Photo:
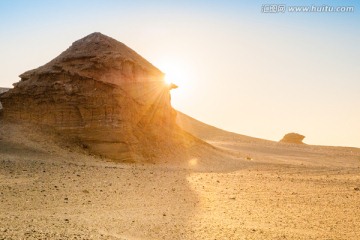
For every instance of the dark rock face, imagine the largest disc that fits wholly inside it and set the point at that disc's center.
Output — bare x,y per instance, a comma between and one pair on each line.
101,92
293,138
3,90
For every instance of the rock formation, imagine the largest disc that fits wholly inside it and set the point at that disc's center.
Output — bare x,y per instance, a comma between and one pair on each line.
293,138
3,90
104,94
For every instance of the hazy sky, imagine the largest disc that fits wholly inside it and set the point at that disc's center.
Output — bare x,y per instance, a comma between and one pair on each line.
254,73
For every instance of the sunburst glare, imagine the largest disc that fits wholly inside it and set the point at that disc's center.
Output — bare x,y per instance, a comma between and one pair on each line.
175,72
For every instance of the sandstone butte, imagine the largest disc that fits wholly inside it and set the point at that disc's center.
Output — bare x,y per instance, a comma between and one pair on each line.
105,95
293,138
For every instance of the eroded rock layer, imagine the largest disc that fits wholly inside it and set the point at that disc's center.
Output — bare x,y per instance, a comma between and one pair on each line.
103,93
2,90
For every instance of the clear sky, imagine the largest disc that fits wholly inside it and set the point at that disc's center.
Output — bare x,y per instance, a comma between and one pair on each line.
254,73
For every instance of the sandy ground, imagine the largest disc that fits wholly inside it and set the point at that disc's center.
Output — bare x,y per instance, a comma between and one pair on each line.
271,191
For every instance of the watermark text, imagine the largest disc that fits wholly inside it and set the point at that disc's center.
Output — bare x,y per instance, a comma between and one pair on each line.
282,8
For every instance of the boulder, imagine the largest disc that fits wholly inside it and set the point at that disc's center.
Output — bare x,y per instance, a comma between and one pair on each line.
104,94
293,138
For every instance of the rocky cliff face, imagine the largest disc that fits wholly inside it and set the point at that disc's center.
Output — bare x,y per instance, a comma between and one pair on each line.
3,90
103,93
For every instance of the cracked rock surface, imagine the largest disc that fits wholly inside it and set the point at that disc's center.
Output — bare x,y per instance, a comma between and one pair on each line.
104,94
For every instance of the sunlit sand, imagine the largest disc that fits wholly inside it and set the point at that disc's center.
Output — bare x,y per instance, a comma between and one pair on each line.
91,148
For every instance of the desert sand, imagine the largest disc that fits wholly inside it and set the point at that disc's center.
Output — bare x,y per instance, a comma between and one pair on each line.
258,189
91,148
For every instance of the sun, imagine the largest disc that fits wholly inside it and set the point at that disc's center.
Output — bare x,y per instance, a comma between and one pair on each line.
167,79
175,73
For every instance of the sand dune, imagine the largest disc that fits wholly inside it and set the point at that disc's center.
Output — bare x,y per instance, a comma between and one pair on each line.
265,151
50,190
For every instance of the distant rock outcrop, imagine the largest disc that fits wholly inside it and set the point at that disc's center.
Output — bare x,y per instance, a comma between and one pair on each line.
103,93
293,138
